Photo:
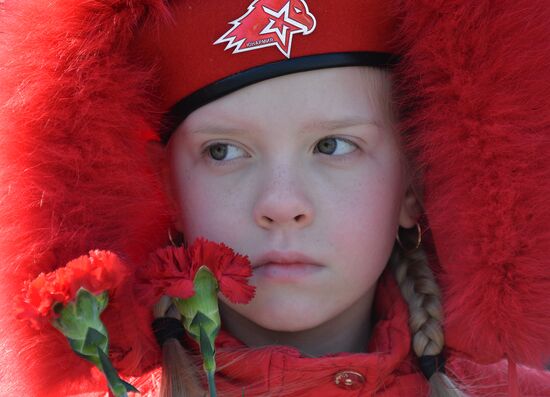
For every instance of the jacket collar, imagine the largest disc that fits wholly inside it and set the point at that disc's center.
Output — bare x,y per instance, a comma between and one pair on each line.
273,368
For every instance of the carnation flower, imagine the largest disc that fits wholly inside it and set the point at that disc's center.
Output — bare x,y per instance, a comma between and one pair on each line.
167,273
231,270
72,299
171,271
97,272
193,277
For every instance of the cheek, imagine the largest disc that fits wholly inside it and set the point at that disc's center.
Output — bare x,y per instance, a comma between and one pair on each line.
209,206
364,215
368,231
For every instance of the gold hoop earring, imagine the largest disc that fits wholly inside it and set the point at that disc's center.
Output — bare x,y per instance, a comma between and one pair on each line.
418,239
178,240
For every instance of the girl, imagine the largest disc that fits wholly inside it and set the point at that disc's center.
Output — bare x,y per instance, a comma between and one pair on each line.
356,183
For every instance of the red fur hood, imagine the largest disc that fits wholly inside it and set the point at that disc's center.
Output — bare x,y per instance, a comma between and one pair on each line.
77,106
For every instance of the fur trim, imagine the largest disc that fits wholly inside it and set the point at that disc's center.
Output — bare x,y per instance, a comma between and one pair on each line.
76,107
74,172
479,76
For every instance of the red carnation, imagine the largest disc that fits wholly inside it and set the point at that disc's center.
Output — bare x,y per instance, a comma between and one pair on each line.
230,269
193,277
97,272
167,273
171,271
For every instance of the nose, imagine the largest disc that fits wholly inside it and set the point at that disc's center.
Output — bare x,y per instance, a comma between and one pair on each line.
282,201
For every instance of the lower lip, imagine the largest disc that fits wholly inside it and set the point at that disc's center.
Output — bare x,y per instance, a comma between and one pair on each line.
286,271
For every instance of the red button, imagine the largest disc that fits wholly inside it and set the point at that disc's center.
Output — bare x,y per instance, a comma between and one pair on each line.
349,380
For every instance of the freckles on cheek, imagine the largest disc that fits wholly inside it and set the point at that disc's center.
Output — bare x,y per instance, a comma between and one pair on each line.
361,216
209,210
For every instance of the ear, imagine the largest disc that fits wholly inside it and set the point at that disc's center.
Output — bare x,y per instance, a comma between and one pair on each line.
410,209
159,155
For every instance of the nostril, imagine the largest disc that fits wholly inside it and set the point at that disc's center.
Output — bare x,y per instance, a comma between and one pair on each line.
299,218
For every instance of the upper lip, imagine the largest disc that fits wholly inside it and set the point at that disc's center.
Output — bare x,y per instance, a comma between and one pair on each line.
284,257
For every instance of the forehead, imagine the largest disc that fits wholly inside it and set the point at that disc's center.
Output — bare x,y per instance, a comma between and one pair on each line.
302,98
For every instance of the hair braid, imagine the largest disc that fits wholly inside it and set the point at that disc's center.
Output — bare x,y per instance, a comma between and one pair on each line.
421,292
179,375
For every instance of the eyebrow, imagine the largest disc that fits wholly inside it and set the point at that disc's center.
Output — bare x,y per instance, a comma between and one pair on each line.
215,130
323,125
338,124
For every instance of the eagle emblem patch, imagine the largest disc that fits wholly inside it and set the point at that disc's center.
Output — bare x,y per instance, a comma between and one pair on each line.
269,23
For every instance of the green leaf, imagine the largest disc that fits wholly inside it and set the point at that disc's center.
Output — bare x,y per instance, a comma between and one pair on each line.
95,339
77,345
201,320
102,301
205,301
80,322
117,385
70,324
129,387
207,348
77,317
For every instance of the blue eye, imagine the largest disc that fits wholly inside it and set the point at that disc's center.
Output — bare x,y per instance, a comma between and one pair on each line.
335,146
223,151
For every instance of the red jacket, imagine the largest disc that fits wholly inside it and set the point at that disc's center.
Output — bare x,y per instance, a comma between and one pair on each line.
388,369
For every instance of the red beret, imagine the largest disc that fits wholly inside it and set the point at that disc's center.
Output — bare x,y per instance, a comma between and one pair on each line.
212,48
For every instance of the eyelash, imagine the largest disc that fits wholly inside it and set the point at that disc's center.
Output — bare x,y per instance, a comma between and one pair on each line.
220,163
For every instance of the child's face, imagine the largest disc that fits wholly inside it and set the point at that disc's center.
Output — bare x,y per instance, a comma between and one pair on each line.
305,163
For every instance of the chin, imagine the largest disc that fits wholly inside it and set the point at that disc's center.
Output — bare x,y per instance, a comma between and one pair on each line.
283,318
282,315
286,325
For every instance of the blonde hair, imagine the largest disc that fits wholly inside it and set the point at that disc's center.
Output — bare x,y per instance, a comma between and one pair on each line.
179,374
411,267
419,289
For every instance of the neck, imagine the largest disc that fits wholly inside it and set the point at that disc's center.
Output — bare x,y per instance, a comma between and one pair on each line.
347,332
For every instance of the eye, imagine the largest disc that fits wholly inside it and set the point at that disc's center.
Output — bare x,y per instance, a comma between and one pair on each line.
224,152
335,146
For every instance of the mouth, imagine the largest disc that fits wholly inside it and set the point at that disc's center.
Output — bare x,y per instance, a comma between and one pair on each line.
285,266
281,258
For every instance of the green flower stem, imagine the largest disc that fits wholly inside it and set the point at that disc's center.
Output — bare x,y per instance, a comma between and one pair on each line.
211,383
80,323
201,319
